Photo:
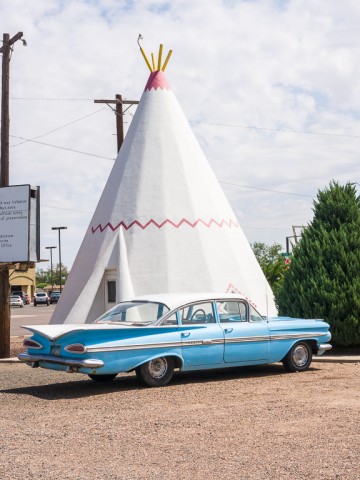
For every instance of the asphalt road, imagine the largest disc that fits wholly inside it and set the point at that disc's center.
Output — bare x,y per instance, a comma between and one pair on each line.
29,315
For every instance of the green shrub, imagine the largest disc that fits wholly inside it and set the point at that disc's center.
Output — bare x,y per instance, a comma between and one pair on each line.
324,278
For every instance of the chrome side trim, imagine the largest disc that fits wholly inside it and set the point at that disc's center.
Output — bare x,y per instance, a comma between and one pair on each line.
295,336
69,362
146,346
135,346
263,338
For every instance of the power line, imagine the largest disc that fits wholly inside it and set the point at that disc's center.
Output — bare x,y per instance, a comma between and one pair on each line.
67,209
62,148
59,128
304,132
53,99
266,189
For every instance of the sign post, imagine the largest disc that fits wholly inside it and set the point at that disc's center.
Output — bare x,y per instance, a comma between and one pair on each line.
19,243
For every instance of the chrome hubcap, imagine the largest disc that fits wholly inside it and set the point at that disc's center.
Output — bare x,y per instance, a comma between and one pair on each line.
158,367
300,355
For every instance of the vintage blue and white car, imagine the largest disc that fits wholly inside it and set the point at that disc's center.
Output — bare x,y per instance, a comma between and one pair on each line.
156,334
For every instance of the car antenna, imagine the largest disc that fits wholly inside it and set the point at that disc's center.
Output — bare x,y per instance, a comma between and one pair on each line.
267,303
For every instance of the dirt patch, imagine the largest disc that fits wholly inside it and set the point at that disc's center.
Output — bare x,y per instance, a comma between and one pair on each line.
243,423
16,346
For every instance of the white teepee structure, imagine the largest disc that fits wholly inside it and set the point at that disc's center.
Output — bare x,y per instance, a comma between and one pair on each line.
163,223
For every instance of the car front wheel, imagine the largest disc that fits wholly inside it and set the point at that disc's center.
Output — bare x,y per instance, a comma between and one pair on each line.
157,372
299,357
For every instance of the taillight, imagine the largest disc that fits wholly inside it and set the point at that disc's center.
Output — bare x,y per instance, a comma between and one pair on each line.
76,348
28,343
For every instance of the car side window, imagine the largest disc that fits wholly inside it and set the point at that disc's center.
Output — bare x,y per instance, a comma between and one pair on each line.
198,313
255,316
172,320
231,311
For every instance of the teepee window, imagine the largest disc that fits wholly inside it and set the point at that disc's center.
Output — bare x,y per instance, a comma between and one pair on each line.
111,291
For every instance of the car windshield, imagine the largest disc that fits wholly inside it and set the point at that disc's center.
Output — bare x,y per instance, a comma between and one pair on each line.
134,313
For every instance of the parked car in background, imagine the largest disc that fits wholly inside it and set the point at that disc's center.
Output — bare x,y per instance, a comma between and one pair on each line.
41,298
54,297
16,301
23,296
156,334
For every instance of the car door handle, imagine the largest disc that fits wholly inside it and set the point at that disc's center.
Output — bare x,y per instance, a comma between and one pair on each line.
228,330
185,334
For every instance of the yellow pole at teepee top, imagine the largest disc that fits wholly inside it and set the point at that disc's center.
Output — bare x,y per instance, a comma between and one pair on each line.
167,60
146,59
160,55
152,67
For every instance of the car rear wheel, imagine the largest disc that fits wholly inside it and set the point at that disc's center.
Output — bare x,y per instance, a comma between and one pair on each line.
299,357
103,378
157,372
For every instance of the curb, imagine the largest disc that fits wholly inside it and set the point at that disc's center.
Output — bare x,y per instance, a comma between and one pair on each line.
338,359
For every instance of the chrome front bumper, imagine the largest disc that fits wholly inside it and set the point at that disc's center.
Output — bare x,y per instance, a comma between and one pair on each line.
323,347
34,360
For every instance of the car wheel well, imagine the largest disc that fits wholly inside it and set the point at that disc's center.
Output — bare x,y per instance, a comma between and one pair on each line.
178,363
313,345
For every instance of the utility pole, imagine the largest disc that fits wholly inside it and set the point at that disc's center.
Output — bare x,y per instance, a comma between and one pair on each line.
59,229
51,267
4,182
119,112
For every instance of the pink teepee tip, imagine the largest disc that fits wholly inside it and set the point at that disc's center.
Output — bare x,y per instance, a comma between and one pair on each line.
157,80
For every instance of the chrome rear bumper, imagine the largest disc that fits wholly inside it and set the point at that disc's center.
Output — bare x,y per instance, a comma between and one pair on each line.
323,347
34,360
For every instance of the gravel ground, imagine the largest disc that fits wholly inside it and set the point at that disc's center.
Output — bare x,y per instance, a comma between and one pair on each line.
244,423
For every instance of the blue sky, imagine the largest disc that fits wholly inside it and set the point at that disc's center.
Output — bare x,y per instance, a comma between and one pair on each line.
269,87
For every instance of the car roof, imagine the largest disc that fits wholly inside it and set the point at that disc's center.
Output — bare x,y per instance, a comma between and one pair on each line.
175,300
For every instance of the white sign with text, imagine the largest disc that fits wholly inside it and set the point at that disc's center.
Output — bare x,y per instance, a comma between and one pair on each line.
14,223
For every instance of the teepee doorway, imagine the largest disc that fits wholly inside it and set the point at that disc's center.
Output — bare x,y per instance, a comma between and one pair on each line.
110,288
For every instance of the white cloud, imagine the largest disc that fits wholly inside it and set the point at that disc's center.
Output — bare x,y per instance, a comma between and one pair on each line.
278,65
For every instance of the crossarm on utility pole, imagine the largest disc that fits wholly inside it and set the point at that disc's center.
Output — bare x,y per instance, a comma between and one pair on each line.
118,102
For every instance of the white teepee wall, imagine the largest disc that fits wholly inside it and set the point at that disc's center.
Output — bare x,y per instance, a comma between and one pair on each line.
163,221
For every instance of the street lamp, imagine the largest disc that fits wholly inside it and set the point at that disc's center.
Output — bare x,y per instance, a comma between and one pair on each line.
51,267
58,229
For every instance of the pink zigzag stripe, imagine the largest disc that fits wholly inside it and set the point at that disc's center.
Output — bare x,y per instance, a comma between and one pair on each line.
232,289
122,224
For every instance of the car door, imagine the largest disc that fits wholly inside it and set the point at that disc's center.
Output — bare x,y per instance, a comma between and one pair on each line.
202,338
246,333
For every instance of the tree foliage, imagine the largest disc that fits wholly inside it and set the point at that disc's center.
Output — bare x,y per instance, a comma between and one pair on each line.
272,263
324,278
43,276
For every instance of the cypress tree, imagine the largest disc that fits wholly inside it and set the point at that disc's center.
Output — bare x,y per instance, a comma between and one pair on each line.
324,277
